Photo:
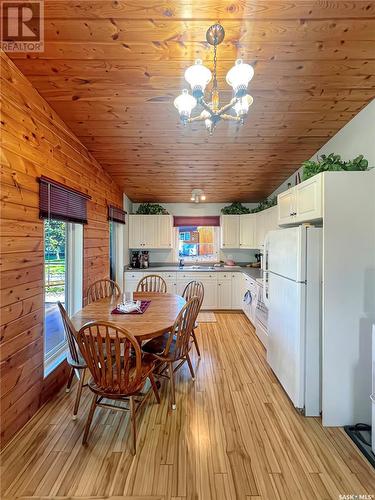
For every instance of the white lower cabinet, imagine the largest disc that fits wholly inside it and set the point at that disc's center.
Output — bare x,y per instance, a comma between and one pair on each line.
224,293
222,290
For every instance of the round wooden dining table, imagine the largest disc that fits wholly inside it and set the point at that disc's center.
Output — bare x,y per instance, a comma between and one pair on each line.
157,319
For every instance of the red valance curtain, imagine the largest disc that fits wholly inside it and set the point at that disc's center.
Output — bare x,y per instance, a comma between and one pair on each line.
204,220
116,214
57,201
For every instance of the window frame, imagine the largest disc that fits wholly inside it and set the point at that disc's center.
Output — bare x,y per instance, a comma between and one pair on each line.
116,251
73,289
201,259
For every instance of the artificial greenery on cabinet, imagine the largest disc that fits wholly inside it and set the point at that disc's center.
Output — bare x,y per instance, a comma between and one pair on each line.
236,208
151,209
263,205
332,163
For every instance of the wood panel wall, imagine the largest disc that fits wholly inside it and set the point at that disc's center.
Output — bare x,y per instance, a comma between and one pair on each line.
36,141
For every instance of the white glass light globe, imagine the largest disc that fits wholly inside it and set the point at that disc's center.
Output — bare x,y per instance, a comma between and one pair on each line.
198,76
185,103
239,76
243,104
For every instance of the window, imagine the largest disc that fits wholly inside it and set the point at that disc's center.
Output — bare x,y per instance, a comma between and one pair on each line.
198,243
116,251
63,270
116,218
64,211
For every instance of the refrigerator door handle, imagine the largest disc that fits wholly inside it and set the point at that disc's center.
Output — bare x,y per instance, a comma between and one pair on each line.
266,290
266,254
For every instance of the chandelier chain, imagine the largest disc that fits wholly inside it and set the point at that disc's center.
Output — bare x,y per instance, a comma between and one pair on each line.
214,83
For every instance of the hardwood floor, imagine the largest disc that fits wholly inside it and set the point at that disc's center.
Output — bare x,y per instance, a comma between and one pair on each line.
234,435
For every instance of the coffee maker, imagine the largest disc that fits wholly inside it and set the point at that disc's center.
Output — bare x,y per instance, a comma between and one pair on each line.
140,259
134,261
144,259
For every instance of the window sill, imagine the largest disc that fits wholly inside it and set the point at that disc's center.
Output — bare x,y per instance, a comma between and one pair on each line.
54,361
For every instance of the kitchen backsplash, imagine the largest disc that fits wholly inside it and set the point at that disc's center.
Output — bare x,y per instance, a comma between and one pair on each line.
167,256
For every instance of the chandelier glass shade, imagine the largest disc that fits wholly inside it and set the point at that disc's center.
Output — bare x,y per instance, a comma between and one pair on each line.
199,76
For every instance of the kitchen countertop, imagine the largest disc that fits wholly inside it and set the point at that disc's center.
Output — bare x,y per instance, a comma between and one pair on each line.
253,272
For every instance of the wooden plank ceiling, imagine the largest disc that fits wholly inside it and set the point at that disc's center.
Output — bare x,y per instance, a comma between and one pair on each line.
111,70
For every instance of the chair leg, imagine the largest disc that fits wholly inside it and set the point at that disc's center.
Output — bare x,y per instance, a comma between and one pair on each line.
190,366
70,380
195,342
79,392
133,425
171,377
89,419
154,387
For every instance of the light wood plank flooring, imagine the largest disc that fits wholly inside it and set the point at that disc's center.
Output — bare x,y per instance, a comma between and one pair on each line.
234,435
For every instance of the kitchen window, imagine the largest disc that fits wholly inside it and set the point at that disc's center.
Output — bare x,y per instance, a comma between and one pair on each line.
198,243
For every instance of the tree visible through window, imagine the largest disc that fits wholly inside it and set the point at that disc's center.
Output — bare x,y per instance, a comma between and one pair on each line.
197,243
55,282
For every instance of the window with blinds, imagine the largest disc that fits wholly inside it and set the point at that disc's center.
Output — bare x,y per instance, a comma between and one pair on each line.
59,202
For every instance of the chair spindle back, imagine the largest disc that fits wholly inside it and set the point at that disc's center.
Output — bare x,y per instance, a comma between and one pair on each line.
152,283
119,373
101,289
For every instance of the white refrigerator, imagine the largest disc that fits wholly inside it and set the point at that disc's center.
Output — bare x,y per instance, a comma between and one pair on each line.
292,293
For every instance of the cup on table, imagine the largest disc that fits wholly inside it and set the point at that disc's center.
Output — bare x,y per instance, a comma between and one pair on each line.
128,297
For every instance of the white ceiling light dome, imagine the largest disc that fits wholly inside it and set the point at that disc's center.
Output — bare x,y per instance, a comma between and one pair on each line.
239,76
185,103
198,77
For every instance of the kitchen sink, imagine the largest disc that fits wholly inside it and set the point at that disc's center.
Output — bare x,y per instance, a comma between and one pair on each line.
207,268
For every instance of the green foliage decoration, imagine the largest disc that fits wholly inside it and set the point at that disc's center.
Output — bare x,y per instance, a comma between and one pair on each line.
332,163
235,208
151,209
263,205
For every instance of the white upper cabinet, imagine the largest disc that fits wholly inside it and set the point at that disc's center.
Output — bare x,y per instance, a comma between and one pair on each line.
286,204
301,203
266,221
164,231
248,231
309,199
230,231
135,231
150,231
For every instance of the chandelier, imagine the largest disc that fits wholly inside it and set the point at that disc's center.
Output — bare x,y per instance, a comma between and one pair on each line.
198,77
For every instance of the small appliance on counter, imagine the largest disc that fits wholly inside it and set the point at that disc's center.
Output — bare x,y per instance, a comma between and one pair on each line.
135,263
144,259
140,259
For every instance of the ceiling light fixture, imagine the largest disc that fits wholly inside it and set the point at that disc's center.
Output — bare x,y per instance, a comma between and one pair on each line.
198,77
197,195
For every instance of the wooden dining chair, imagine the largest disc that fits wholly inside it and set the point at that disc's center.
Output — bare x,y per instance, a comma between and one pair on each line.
101,289
174,346
152,283
74,358
119,377
194,289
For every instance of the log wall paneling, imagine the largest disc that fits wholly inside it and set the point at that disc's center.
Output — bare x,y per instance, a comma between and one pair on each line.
36,141
111,70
